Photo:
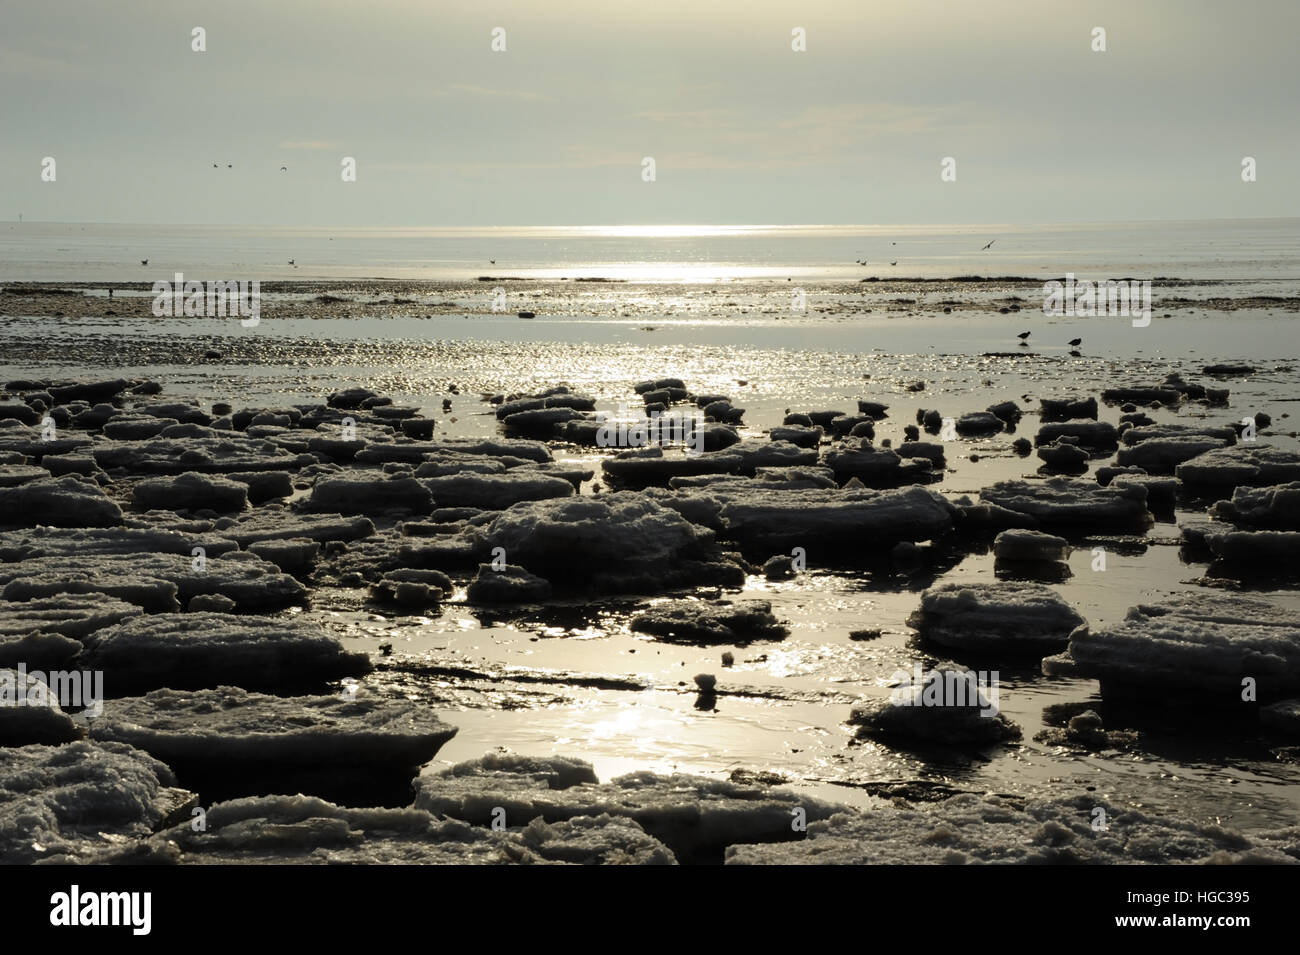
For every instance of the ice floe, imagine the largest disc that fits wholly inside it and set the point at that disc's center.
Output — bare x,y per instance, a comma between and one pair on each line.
205,650
995,618
1202,645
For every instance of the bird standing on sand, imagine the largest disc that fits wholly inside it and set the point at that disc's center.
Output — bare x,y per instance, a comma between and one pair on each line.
895,262
1076,342
989,246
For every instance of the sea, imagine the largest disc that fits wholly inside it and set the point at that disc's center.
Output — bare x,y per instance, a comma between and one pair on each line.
1266,250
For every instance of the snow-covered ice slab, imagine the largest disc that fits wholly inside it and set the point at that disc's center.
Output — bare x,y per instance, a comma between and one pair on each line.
495,491
1070,502
1280,548
647,467
415,452
694,816
72,615
1266,508
1021,544
154,581
38,650
12,475
621,543
1223,435
66,501
45,633
856,520
370,492
207,455
973,830
711,621
305,830
1090,435
880,467
16,546
191,491
1251,464
29,442
948,707
1199,643
30,712
276,523
1162,454
509,584
229,741
204,650
1010,618
63,803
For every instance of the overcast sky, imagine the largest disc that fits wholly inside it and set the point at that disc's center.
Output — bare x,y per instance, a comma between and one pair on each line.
553,130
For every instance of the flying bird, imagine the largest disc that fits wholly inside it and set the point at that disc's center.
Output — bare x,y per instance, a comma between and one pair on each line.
989,246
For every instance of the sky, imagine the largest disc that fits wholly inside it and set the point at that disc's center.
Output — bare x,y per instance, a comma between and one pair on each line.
742,128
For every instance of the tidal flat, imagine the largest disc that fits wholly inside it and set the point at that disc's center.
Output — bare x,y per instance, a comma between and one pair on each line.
428,593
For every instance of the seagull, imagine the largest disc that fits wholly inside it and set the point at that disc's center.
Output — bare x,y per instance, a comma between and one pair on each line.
989,246
1076,342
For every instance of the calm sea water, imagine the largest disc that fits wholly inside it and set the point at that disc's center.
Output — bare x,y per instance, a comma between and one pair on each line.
1267,249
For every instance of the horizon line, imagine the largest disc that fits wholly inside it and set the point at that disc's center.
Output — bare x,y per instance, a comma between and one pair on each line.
654,225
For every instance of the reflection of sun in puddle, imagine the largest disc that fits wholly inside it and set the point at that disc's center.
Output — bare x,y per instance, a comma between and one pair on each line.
643,728
783,663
